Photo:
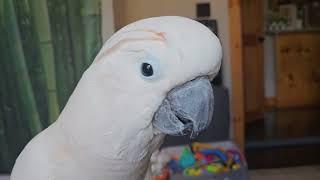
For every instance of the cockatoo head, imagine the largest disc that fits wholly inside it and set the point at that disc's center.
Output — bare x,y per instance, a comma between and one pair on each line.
150,78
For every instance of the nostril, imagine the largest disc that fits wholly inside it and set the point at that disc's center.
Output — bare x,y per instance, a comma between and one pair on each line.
188,126
184,121
187,132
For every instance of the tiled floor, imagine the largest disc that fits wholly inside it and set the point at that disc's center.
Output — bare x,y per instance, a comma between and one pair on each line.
295,173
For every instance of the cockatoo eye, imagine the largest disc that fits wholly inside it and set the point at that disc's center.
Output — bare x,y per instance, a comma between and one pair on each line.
146,69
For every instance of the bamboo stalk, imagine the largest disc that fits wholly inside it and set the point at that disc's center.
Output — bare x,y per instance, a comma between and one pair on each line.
10,117
32,55
4,153
42,25
15,120
91,16
76,35
20,69
62,45
19,120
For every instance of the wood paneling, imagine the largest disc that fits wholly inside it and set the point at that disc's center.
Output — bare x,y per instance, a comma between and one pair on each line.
252,26
270,103
237,93
298,69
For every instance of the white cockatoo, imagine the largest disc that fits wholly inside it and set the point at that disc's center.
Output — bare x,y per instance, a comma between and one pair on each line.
150,78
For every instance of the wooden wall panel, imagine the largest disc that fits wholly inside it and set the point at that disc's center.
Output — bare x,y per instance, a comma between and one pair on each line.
252,33
298,69
237,92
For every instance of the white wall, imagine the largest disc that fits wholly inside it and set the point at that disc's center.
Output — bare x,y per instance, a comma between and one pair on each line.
269,67
107,14
220,11
269,60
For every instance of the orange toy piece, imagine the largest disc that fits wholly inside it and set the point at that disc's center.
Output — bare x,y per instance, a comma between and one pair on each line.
196,146
164,175
198,156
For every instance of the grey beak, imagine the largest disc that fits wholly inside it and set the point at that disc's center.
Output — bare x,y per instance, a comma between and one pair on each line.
187,109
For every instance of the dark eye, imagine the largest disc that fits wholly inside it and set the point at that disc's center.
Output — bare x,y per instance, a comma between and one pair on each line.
146,69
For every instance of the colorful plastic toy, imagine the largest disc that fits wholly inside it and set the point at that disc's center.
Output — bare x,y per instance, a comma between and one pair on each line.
214,168
164,176
174,166
206,160
186,159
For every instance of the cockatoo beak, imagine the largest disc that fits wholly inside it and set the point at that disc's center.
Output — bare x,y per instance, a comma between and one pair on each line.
187,109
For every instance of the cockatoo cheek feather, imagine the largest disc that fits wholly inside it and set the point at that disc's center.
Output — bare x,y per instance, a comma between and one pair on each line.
134,130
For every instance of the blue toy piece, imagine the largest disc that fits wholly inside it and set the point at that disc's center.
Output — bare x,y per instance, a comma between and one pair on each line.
221,155
235,155
174,166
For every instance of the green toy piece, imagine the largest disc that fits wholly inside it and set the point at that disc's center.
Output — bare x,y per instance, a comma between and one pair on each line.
214,168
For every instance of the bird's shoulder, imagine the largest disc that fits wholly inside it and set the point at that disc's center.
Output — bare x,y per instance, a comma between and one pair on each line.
43,156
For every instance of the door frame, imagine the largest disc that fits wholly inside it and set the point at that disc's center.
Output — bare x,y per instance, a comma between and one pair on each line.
237,73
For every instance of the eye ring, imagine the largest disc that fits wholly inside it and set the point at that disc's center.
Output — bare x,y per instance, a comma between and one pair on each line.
147,69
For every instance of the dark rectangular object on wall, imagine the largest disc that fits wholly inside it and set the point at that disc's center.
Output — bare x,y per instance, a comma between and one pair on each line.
203,10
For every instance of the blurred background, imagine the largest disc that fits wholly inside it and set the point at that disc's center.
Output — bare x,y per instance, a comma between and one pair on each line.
269,82
45,47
